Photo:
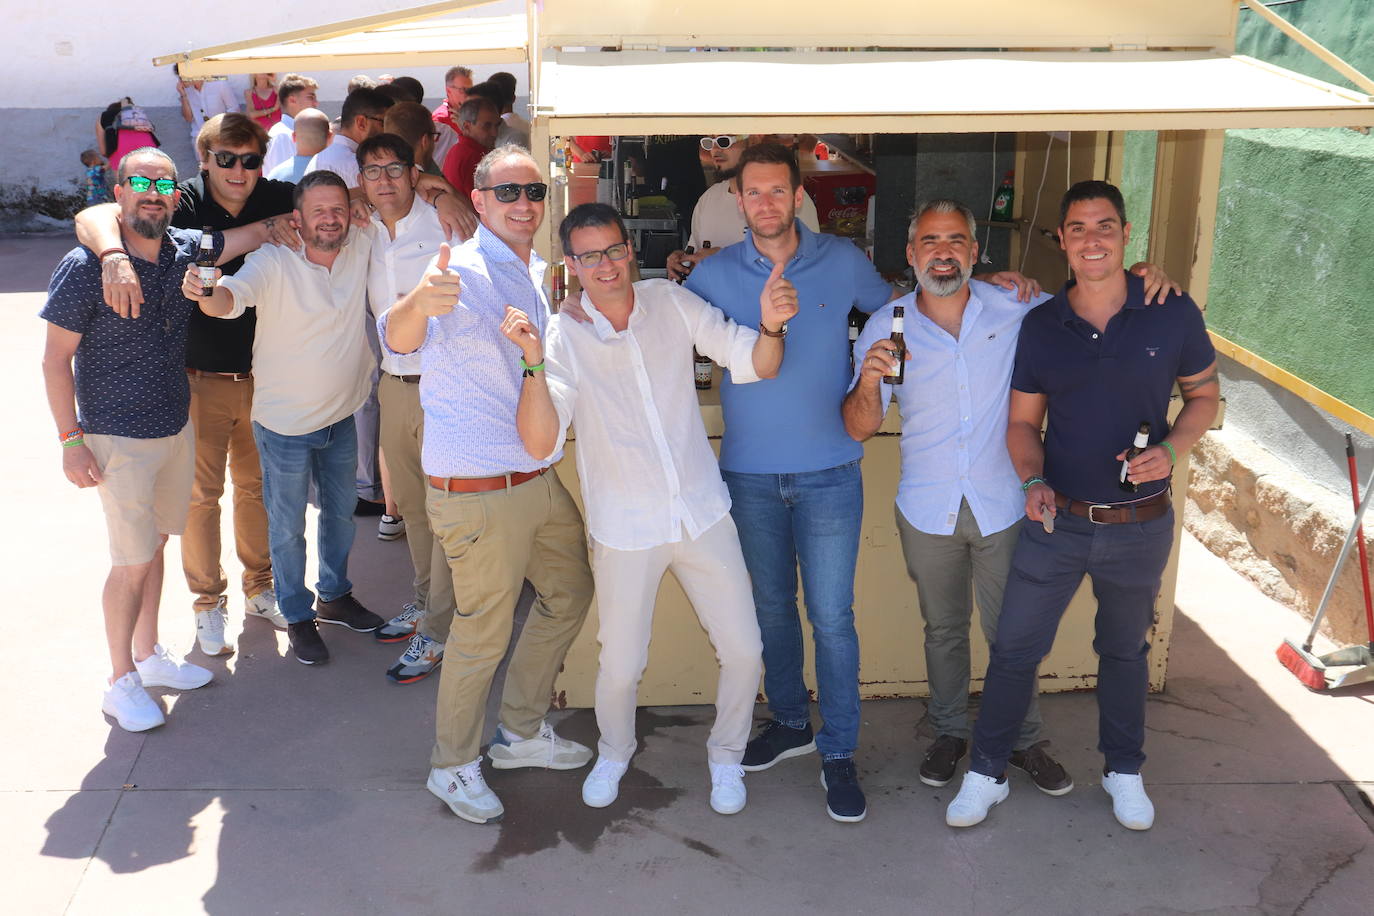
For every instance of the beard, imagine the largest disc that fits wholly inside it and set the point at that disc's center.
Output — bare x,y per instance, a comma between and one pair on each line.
784,225
944,286
151,228
312,238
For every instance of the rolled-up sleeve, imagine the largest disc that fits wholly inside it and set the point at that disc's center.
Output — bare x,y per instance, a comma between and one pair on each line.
717,337
252,283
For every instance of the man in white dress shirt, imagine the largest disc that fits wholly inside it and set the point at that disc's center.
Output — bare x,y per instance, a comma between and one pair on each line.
295,93
653,491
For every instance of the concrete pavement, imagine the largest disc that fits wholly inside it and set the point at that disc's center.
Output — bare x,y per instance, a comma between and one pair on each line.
282,789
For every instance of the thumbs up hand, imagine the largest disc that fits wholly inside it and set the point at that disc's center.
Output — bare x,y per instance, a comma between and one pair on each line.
778,301
438,291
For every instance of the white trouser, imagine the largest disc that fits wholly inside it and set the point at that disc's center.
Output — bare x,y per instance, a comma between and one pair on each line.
712,573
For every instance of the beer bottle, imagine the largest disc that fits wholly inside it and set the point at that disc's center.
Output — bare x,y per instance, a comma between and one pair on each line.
701,370
205,262
558,289
1142,439
686,264
898,336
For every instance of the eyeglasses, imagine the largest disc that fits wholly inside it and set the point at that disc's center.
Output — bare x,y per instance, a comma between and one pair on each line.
721,142
227,160
374,171
140,184
510,192
616,252
374,118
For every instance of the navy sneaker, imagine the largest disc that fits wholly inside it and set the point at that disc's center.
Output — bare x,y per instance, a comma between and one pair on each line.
775,742
844,800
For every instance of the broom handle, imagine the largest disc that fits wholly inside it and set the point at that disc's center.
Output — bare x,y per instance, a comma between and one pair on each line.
1364,560
1340,564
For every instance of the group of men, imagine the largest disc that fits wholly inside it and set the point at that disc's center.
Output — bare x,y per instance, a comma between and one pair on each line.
479,383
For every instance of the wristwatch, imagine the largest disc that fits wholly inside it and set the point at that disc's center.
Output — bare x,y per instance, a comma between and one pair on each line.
780,332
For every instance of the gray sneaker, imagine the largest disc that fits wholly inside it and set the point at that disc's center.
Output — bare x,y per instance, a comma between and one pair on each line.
210,630
418,661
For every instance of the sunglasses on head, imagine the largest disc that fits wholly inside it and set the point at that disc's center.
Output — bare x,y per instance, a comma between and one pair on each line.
721,142
226,160
374,170
616,252
510,192
140,184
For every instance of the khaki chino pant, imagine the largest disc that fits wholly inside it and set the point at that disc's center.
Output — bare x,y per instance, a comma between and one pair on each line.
494,541
402,435
712,573
221,412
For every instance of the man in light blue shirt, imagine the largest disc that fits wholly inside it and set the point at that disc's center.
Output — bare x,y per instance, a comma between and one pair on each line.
501,517
310,134
959,498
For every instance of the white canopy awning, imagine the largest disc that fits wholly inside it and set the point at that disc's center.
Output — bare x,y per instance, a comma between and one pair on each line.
638,92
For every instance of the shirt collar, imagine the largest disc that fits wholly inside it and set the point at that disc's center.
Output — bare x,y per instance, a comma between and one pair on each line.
600,323
1135,297
349,143
405,223
806,244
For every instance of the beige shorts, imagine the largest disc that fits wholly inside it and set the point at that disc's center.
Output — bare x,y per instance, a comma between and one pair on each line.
145,489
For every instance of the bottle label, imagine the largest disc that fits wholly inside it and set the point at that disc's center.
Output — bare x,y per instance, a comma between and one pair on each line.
898,324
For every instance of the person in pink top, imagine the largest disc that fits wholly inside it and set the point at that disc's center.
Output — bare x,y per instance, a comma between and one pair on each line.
260,100
122,128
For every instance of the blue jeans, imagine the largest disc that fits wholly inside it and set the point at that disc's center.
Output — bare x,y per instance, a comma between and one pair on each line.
812,518
289,463
1126,563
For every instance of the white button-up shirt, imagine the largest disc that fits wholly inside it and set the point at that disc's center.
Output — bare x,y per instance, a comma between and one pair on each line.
954,404
397,266
646,466
280,146
339,157
312,365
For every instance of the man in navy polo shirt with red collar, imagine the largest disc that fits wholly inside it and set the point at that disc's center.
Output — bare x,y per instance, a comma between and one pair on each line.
1100,364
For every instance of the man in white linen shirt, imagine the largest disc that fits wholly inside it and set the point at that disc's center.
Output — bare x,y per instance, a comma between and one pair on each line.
311,366
959,500
653,491
406,238
501,517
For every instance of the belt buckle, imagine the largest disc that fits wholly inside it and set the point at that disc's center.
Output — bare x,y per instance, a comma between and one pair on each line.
1091,509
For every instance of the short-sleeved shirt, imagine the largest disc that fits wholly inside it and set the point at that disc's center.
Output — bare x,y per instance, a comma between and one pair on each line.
1102,385
130,372
461,161
213,345
792,423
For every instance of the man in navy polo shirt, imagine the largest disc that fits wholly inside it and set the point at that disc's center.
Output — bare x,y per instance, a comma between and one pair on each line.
118,393
1100,364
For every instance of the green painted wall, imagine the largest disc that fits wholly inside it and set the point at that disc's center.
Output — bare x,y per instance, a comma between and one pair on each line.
1293,268
1138,188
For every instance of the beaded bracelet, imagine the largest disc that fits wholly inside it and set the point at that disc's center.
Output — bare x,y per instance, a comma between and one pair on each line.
75,433
1032,481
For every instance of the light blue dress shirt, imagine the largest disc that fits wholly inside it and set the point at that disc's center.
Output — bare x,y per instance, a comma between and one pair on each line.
470,372
954,404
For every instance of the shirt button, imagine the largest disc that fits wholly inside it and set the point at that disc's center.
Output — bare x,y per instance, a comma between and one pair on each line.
1094,337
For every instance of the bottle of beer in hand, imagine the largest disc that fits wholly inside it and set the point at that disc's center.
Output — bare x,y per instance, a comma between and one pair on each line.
701,370
686,264
898,337
205,262
1142,439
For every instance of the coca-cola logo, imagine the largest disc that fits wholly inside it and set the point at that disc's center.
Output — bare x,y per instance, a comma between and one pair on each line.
837,213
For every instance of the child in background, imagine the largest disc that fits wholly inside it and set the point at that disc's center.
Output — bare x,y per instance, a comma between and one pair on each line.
97,179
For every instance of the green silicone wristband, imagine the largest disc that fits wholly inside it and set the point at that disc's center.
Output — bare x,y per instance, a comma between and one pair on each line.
73,443
1173,455
537,367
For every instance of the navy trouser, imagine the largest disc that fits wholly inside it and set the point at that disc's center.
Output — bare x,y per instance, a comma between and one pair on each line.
1126,563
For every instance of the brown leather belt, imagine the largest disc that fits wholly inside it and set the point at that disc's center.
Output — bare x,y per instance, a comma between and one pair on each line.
483,484
1117,513
408,379
226,376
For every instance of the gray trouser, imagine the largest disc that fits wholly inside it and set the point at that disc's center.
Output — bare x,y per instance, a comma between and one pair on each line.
948,569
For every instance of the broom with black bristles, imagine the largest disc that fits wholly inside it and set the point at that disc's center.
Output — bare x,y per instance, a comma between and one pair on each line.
1309,668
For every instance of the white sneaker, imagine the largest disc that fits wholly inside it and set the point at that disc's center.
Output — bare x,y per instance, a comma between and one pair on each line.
264,605
602,784
465,792
161,670
727,788
210,630
976,797
1130,804
390,527
130,705
545,749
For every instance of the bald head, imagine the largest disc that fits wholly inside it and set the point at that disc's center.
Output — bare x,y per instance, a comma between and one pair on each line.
311,132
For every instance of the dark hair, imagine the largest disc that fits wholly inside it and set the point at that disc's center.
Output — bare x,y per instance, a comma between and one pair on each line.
769,153
1092,190
386,143
316,179
586,216
410,121
471,110
489,91
411,88
365,102
507,83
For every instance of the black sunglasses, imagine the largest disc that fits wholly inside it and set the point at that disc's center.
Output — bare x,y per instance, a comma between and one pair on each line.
510,192
616,252
227,160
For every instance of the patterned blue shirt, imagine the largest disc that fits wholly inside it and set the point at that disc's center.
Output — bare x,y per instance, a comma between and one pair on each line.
792,423
470,372
130,372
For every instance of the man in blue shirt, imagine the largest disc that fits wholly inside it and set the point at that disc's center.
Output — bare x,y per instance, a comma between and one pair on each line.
1101,365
